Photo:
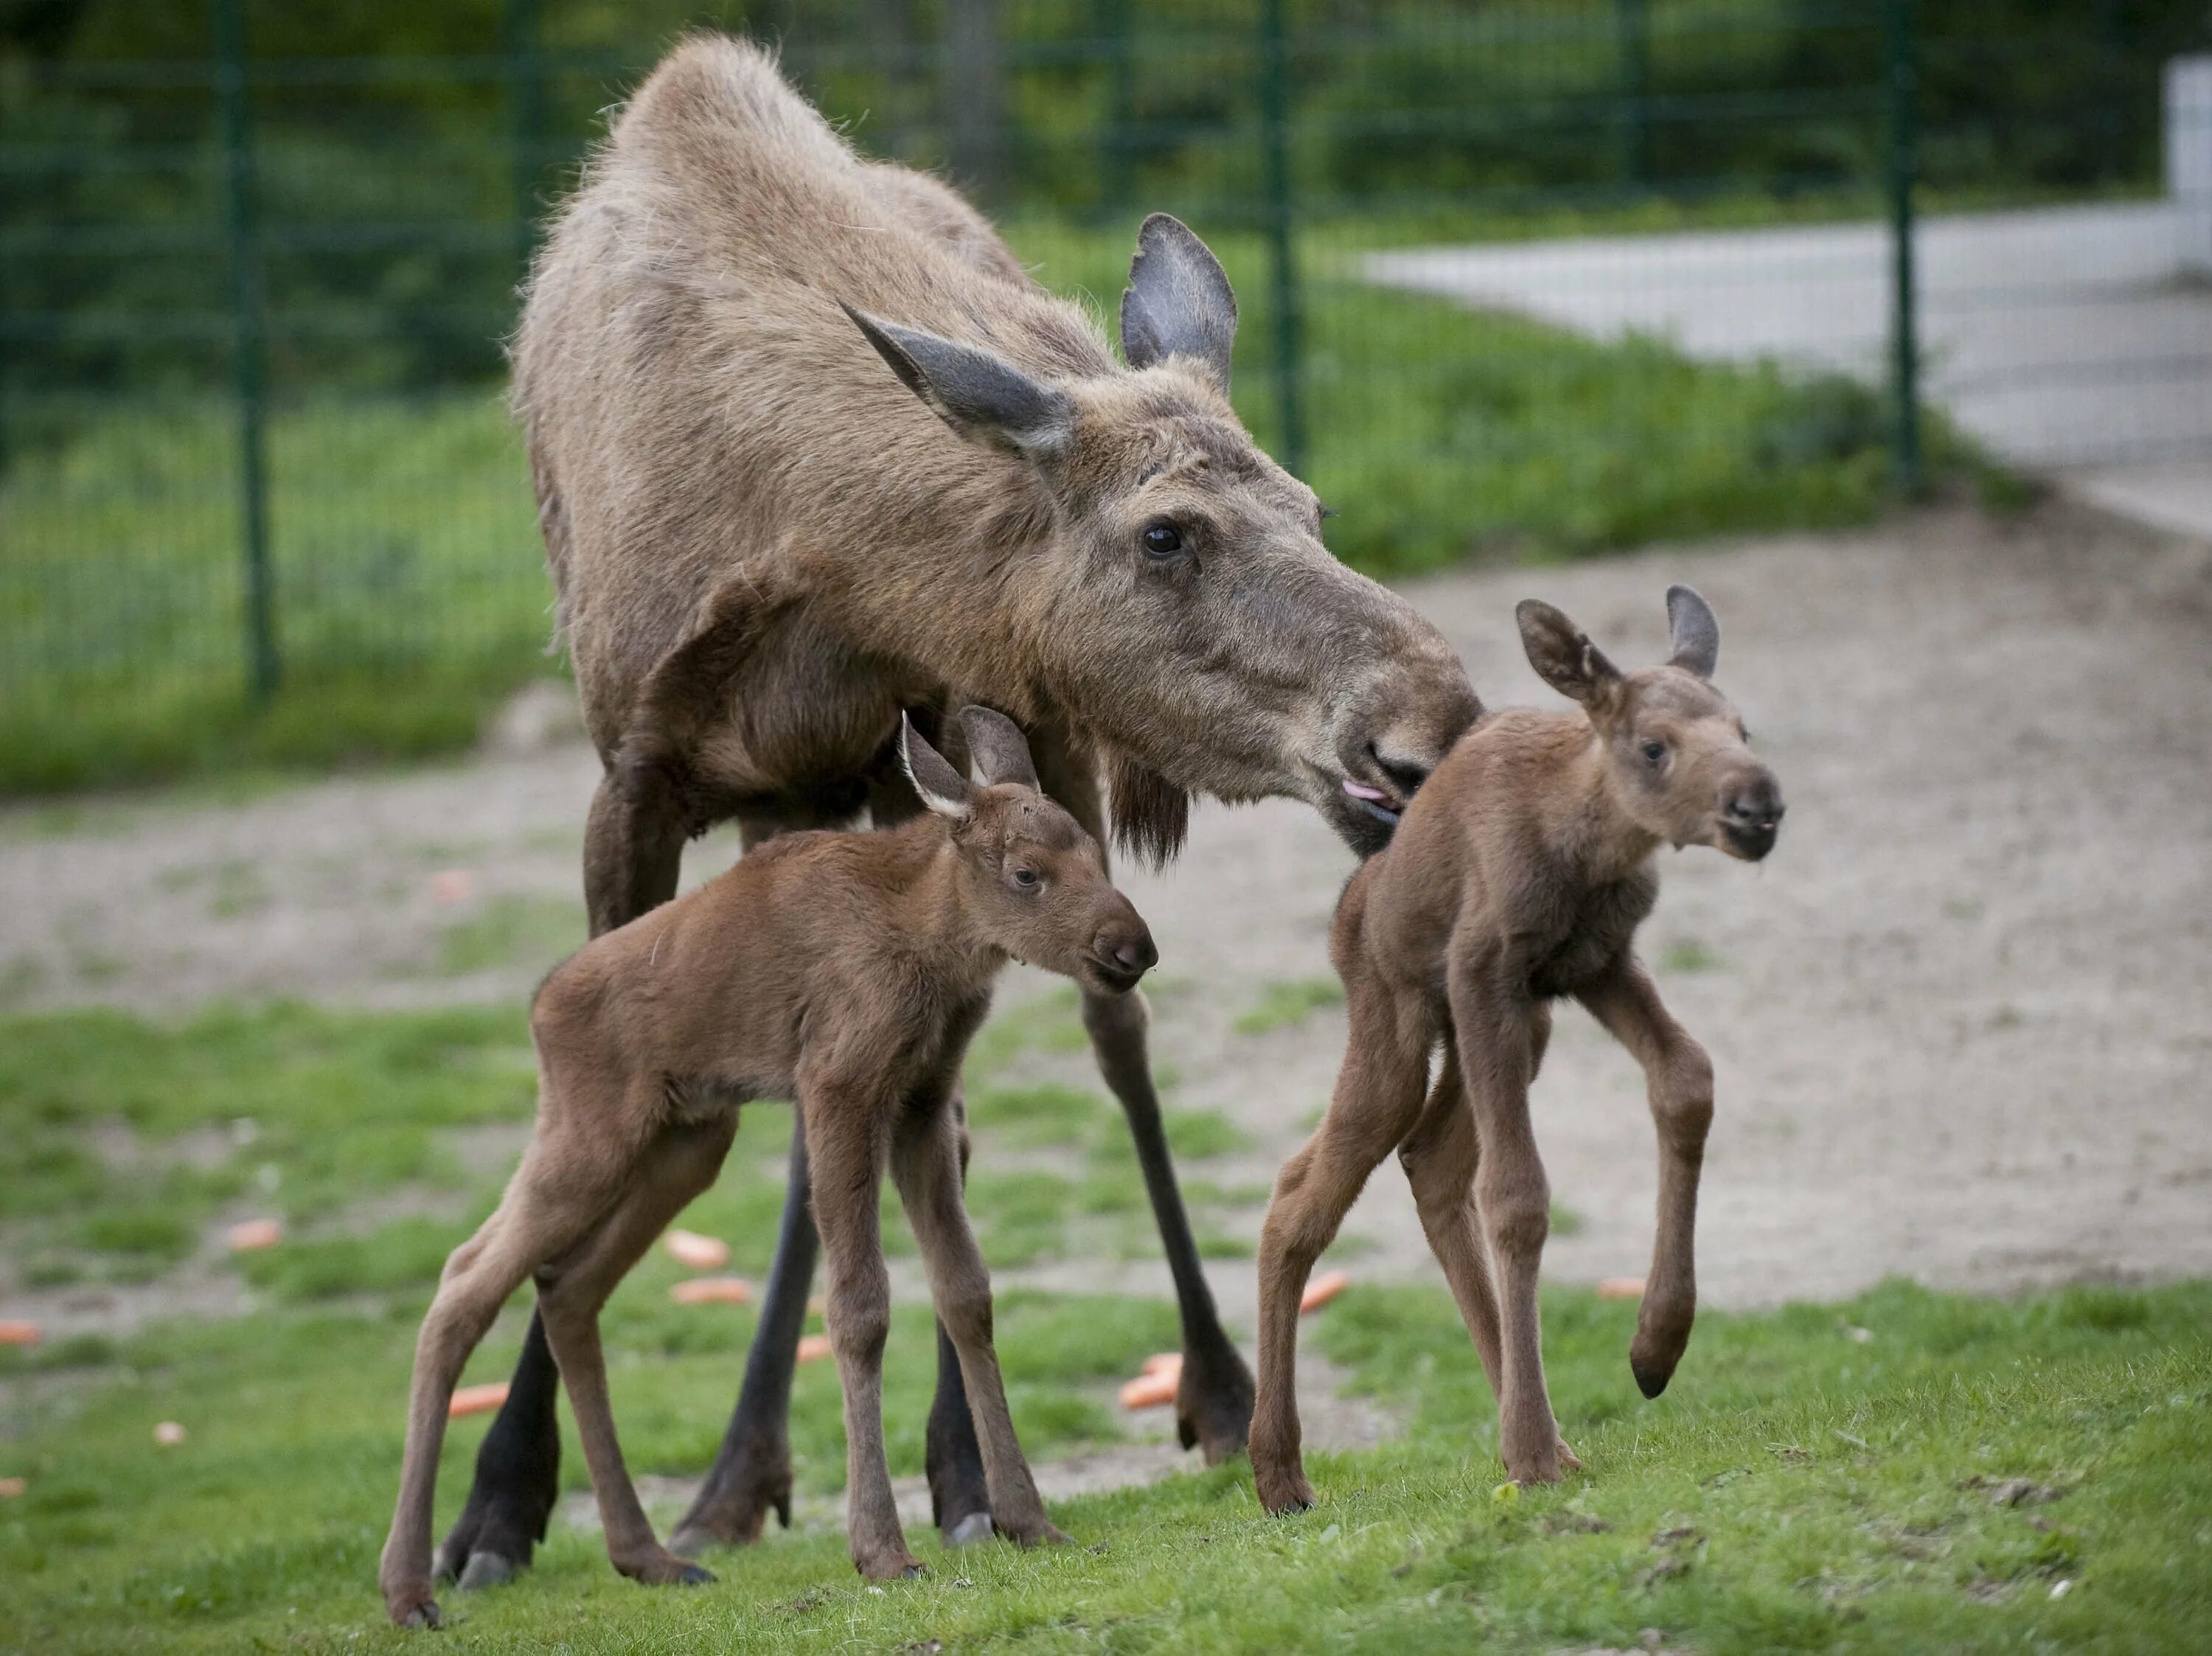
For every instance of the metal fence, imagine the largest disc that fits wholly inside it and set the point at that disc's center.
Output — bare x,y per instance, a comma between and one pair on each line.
1548,274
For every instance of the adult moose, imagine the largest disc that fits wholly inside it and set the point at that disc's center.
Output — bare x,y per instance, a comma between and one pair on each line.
810,447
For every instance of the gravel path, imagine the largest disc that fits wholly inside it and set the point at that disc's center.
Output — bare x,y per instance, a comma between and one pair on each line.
1962,1018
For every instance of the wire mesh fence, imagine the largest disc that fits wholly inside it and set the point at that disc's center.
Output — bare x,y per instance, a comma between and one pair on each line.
1548,274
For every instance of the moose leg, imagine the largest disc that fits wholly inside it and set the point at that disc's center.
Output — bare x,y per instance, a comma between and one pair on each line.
1491,1021
927,1160
632,852
1679,1078
1378,1098
681,1162
1213,1406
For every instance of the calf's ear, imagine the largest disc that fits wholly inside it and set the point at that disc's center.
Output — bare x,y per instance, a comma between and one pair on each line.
943,789
1697,630
997,745
1563,655
982,396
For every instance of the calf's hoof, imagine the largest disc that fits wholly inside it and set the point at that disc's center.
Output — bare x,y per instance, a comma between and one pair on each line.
732,1509
1569,1459
1042,1533
1279,1480
889,1566
415,1609
663,1569
1213,1403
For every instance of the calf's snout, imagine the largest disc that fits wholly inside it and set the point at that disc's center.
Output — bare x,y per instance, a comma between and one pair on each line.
1128,947
1751,811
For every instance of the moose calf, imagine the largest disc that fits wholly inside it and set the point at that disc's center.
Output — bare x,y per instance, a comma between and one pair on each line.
1520,874
846,971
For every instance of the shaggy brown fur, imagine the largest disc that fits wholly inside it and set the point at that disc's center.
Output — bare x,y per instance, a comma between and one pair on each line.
1521,873
845,971
810,447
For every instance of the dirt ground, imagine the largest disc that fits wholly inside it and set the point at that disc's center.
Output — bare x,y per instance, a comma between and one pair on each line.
1962,1018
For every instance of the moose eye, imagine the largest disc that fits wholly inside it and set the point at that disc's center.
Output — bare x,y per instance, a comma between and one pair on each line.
1655,753
1026,878
1161,540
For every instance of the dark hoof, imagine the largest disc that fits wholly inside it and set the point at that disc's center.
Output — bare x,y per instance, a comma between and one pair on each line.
1214,1404
424,1617
695,1576
970,1531
487,1569
494,1539
732,1510
1650,1379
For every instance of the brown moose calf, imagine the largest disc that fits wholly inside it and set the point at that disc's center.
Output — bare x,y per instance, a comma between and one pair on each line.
1520,874
846,971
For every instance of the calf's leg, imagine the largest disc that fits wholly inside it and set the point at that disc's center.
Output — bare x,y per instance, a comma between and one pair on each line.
1377,1099
845,1143
632,851
1440,1157
535,1221
926,1159
1679,1078
1496,1046
680,1163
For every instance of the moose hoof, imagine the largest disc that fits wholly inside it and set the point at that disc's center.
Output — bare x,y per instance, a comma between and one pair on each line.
487,1569
970,1531
695,1575
733,1511
1650,1379
1214,1404
417,1615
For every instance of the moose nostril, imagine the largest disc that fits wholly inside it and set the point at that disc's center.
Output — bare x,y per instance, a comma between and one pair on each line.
1407,774
1138,955
1759,806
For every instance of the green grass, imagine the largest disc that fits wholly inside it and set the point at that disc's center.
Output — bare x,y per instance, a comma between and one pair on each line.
1817,1478
1797,1489
1282,1005
411,596
122,1141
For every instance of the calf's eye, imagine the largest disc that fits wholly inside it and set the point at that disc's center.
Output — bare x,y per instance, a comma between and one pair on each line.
1161,540
1026,878
1655,753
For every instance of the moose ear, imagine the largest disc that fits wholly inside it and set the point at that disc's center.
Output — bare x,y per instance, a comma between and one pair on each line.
1000,749
982,396
943,789
1697,645
1178,301
1563,656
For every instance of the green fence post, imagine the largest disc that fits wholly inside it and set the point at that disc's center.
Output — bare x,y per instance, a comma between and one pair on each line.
1274,120
521,36
1117,164
1631,38
1900,88
249,342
